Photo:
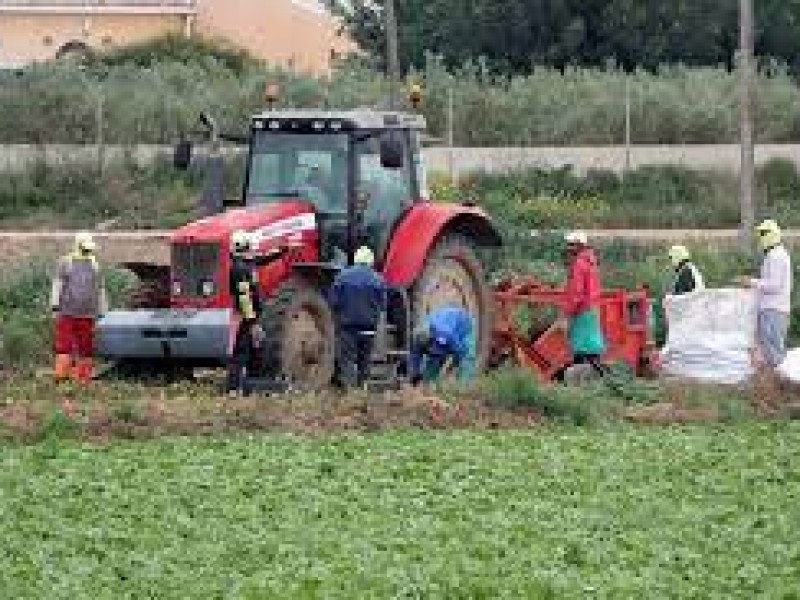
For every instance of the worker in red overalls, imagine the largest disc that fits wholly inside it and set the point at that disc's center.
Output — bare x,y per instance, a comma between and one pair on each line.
78,299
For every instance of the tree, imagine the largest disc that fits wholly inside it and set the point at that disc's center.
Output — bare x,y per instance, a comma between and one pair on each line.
513,35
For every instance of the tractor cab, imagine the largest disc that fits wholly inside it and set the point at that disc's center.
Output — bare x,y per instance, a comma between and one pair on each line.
361,170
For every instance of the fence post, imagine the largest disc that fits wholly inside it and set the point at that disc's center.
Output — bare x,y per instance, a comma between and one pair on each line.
100,133
451,135
627,124
747,207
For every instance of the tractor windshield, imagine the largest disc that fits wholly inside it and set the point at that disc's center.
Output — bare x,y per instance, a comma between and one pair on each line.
307,166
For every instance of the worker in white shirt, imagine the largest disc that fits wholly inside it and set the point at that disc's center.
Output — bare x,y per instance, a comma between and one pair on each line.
774,290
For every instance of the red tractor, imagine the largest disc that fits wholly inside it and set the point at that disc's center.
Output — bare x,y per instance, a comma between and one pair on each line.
317,186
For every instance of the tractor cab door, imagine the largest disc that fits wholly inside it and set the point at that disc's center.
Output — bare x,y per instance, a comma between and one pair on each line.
383,195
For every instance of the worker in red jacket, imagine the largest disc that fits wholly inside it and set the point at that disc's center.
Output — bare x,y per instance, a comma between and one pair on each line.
78,299
583,294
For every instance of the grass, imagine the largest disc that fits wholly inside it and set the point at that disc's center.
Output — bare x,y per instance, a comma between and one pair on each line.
611,513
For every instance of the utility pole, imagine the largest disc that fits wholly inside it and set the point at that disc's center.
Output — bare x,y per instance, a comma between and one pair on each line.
627,123
746,122
393,61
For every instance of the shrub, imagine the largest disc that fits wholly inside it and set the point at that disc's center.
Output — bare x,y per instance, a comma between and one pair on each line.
517,388
155,90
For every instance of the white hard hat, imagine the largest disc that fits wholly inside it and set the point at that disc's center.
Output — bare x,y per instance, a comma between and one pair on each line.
364,256
577,237
241,241
84,242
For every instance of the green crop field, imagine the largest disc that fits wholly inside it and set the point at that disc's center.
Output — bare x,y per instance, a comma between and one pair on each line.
618,512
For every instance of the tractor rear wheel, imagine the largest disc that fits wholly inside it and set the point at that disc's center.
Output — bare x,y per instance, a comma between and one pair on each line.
300,337
453,275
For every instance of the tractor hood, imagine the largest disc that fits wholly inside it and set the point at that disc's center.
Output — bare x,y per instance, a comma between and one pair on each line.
266,222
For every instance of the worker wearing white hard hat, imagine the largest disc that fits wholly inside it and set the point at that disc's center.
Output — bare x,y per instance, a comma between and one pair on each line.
582,301
247,332
688,277
774,291
78,299
358,298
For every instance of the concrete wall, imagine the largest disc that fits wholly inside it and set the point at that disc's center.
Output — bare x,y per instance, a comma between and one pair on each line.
464,160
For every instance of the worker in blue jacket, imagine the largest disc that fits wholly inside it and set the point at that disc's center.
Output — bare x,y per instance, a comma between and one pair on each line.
358,298
448,333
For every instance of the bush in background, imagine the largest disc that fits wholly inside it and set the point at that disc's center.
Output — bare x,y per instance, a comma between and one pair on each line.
156,90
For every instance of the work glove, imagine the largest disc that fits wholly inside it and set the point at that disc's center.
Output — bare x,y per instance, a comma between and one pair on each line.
258,335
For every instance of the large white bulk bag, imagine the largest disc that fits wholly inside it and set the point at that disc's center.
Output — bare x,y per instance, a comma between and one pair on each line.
711,335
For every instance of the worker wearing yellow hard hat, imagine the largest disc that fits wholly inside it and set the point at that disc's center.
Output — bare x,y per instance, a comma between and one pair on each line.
688,277
78,299
773,289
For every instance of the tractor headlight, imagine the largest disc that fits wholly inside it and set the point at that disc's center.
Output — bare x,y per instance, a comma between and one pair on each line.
208,289
177,288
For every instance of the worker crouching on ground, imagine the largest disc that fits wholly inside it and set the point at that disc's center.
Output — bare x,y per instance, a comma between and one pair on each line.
447,334
358,298
774,291
248,334
583,294
688,277
78,299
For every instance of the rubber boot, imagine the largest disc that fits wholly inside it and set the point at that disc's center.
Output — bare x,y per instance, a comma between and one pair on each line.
63,368
84,370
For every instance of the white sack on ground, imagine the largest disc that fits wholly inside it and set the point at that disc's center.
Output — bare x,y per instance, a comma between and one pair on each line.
711,335
790,368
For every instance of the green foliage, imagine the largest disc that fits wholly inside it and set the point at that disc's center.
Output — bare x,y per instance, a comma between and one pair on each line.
513,35
561,513
175,48
154,92
26,324
594,402
77,196
647,198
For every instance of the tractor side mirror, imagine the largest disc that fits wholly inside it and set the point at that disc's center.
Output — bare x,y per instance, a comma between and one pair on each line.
183,155
392,152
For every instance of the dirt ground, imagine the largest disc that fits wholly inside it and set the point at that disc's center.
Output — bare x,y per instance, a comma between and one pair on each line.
32,410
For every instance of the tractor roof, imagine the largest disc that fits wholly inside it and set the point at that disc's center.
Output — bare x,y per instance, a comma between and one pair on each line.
360,118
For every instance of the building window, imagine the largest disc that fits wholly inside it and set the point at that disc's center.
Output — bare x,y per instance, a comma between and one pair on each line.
48,40
107,40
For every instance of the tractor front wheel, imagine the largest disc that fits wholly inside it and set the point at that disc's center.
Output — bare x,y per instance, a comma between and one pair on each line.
300,337
454,276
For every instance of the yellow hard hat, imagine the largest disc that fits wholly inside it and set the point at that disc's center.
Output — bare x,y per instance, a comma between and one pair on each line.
679,254
84,242
769,234
364,256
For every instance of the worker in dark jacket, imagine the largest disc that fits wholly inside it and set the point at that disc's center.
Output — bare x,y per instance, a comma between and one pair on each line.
688,278
248,335
448,333
358,298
